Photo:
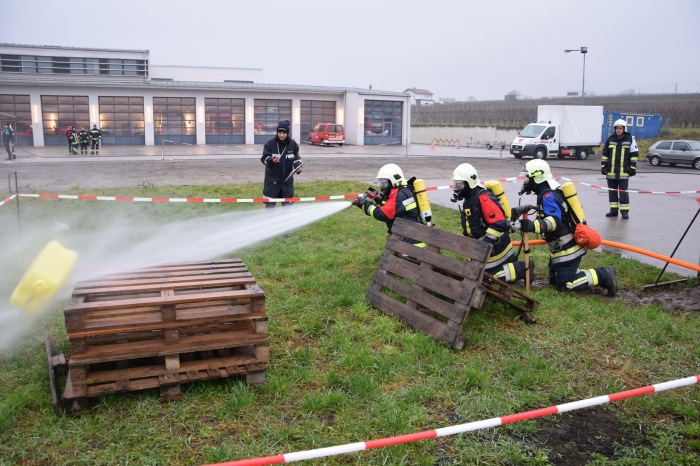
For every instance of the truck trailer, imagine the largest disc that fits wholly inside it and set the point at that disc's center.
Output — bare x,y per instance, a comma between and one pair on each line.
560,130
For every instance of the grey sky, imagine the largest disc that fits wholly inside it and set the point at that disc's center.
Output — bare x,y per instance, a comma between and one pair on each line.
454,48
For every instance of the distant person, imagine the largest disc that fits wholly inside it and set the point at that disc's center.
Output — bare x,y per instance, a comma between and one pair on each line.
69,137
282,160
8,140
483,218
618,164
83,139
95,138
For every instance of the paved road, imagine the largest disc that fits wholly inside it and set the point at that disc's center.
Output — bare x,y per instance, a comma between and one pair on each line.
657,221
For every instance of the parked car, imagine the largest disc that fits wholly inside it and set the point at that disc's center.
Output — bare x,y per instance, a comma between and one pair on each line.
675,152
327,133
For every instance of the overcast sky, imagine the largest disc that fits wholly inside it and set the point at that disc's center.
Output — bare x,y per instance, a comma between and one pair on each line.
453,48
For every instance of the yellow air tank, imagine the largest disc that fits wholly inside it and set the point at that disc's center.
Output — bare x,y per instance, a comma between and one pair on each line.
574,202
426,214
496,189
44,277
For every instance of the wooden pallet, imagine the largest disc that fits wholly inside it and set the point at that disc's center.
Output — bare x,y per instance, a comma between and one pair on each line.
433,289
163,326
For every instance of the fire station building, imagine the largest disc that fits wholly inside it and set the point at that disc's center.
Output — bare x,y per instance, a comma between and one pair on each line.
44,89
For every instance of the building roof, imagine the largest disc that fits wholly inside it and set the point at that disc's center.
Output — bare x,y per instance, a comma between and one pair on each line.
58,47
147,83
415,90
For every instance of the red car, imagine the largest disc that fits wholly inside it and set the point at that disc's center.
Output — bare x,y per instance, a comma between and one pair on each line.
327,133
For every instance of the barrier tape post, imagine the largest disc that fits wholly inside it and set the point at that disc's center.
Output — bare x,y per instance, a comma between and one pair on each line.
462,428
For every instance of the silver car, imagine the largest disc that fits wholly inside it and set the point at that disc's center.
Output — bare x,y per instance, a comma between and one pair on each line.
673,152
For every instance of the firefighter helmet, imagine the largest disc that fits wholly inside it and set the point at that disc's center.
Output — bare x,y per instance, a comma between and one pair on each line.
466,172
538,170
391,172
622,123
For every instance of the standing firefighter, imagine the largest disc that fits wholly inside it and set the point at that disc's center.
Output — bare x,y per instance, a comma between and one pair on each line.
483,218
553,222
95,138
8,140
281,159
70,137
83,139
394,199
618,163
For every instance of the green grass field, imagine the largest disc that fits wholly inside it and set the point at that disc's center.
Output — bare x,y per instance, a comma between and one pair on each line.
342,372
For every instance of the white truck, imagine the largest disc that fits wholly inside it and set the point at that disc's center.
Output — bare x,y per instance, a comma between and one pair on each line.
560,130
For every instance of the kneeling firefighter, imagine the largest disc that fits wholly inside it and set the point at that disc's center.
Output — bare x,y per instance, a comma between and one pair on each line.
484,218
394,199
554,224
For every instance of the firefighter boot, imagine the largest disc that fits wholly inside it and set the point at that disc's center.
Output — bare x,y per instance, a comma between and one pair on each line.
610,281
625,214
612,213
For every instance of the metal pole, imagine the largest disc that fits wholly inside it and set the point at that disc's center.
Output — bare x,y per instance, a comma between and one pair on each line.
583,85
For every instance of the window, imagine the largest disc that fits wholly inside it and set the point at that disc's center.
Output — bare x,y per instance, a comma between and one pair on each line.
630,121
121,116
383,122
19,107
268,112
224,116
666,145
680,146
10,63
640,121
59,112
315,111
174,116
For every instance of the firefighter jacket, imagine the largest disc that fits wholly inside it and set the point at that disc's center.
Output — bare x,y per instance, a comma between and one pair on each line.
619,159
278,182
400,203
483,219
553,222
95,134
83,136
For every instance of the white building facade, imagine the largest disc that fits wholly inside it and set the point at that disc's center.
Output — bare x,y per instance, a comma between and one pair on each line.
44,89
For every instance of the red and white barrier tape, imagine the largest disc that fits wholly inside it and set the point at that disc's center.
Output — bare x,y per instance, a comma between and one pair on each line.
84,197
458,429
5,201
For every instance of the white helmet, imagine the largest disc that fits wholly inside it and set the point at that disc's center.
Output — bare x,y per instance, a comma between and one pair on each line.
391,172
540,172
622,123
466,172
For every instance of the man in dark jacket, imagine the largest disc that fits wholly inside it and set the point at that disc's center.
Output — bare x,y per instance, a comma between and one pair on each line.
281,159
483,219
83,137
95,139
8,140
618,163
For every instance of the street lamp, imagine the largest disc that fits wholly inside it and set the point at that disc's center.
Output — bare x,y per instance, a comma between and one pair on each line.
584,51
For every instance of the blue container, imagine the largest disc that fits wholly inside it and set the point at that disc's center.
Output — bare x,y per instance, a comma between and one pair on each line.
640,125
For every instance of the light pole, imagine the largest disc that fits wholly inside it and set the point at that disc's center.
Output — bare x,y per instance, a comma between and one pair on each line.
584,51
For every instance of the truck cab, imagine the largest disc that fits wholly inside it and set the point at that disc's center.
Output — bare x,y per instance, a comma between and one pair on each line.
536,140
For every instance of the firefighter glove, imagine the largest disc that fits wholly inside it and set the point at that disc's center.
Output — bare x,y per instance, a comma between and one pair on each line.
603,171
633,171
527,225
359,202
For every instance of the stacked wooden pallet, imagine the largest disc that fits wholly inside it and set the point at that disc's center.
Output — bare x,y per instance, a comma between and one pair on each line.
163,326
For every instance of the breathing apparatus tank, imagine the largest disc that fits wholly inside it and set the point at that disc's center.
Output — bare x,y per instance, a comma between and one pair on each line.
574,202
426,214
496,189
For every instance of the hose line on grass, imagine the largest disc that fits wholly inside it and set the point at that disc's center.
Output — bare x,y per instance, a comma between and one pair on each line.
627,247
